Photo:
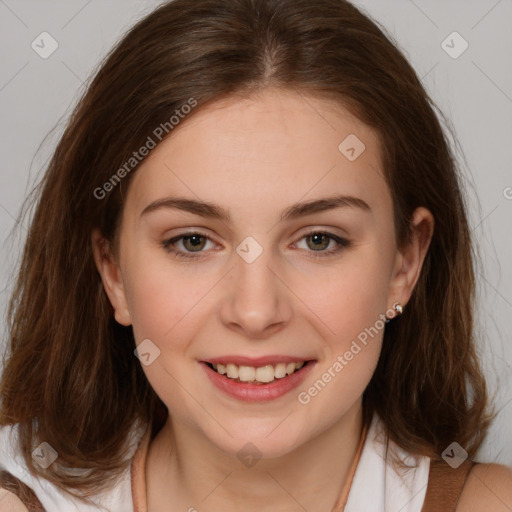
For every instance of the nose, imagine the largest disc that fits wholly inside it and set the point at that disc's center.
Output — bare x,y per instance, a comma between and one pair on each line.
256,302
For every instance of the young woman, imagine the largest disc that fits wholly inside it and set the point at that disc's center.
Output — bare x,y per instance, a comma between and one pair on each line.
248,281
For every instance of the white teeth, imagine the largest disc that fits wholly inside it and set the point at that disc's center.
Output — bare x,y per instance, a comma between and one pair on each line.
263,374
280,370
232,371
246,373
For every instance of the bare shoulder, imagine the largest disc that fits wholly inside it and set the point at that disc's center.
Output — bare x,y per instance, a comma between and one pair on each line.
9,502
488,487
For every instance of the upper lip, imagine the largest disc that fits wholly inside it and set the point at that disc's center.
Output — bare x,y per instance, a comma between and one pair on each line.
255,361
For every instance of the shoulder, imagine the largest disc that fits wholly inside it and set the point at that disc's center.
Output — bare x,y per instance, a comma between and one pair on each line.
488,487
16,496
22,491
9,502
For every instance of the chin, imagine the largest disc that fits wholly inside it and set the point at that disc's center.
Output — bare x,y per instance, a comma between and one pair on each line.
258,442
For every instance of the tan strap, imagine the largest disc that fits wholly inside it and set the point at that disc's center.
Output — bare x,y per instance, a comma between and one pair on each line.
445,485
138,473
339,506
24,493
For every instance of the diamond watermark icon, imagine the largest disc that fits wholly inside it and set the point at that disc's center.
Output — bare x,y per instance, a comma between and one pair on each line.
44,455
249,250
454,45
44,45
147,352
249,455
352,147
454,455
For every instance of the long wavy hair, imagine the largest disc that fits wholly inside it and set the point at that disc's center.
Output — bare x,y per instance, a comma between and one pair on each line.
70,376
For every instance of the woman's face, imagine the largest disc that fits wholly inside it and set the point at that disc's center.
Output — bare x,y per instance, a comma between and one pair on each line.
255,179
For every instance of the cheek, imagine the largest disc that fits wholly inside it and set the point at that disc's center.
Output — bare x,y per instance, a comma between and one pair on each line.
165,306
163,298
354,315
352,306
354,297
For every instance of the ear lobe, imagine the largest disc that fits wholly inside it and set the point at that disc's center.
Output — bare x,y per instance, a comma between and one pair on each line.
111,277
410,258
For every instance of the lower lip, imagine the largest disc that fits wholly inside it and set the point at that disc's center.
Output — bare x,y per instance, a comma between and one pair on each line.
258,392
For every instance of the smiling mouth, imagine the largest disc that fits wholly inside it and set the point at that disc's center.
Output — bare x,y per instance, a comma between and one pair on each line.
258,375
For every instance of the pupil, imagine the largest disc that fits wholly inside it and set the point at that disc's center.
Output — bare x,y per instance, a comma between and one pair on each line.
194,240
317,240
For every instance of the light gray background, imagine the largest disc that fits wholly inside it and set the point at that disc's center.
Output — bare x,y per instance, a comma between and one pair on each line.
473,90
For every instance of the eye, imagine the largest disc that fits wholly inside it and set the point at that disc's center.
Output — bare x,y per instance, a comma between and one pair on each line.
190,243
318,241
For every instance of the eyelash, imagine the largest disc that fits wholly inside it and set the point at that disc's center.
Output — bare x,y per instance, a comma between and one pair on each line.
342,243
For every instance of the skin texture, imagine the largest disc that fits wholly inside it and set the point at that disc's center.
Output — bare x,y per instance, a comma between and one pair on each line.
255,157
488,487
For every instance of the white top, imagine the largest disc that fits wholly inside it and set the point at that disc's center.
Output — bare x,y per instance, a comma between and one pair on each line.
376,486
53,499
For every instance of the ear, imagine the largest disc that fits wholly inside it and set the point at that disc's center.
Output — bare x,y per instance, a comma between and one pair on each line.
111,277
409,259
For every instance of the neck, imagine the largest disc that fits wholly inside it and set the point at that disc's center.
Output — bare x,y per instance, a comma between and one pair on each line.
186,469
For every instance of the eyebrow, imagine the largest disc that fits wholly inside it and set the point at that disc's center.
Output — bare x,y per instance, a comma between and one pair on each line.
213,211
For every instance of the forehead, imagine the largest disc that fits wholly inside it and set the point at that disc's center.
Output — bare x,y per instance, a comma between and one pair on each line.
272,148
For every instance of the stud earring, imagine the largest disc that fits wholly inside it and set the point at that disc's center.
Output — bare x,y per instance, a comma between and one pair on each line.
395,311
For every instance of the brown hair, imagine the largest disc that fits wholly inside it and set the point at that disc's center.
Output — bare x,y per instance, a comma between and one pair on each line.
71,377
